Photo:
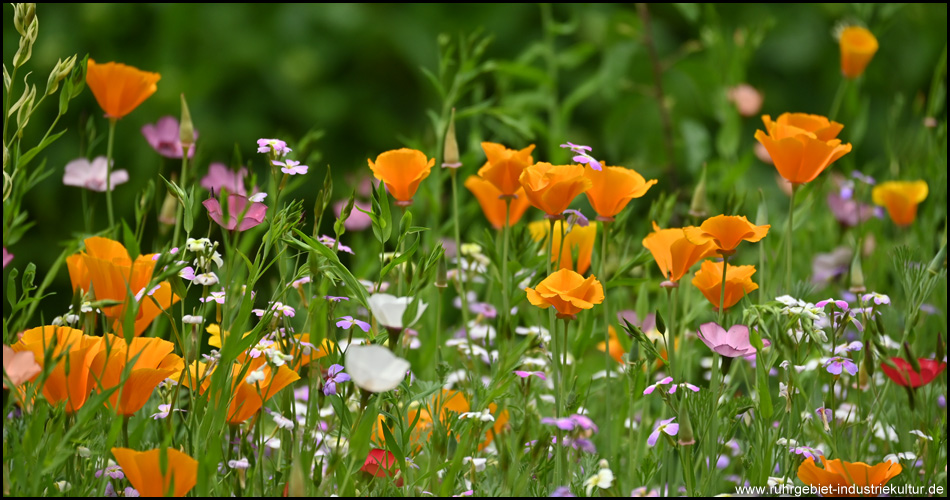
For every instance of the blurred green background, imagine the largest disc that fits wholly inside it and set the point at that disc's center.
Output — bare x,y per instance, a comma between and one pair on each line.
355,72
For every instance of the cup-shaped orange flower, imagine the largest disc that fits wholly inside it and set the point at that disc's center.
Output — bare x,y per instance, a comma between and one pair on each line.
674,253
726,232
152,362
258,384
552,188
144,470
838,475
72,352
612,188
504,166
801,145
568,292
118,88
578,243
858,46
402,170
901,199
492,203
738,282
106,269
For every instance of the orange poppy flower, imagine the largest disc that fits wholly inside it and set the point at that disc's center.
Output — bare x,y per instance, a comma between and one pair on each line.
738,282
858,46
801,145
402,170
568,292
579,242
901,199
152,362
118,88
837,474
245,400
493,206
615,349
552,188
106,269
725,232
505,166
674,253
72,352
613,187
144,470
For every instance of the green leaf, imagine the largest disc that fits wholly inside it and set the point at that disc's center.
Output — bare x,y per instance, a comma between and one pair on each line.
344,274
29,155
131,244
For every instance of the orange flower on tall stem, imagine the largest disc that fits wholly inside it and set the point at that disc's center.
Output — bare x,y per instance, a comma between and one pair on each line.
118,88
493,205
144,470
901,199
568,292
725,232
674,253
552,188
578,242
402,170
858,46
504,167
738,283
253,387
152,362
801,145
106,270
838,475
72,352
612,188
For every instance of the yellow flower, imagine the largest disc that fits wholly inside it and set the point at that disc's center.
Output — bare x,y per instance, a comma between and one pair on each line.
901,199
118,88
858,46
568,292
578,242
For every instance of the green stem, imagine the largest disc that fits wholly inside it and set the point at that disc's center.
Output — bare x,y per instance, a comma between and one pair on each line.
125,431
607,359
722,289
839,96
550,56
506,308
458,247
181,209
109,145
788,240
671,297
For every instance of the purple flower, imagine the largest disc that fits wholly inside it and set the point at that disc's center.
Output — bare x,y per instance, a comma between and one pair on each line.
275,146
347,322
648,323
867,179
836,364
584,422
291,167
826,266
220,177
666,426
335,376
686,385
329,242
165,138
331,298
563,492
652,387
877,298
575,217
840,304
113,471
358,220
573,147
565,424
243,214
92,175
850,347
581,155
213,297
849,212
524,374
7,257
732,343
164,411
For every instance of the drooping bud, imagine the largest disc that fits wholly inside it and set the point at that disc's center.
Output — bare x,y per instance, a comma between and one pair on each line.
857,273
186,131
686,427
28,25
699,206
59,73
450,154
909,356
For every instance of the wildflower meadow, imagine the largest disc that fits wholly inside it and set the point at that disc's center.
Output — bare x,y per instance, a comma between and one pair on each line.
474,250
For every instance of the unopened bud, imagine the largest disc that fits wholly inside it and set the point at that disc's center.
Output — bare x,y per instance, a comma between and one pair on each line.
686,427
937,262
23,16
186,131
59,73
857,274
941,347
168,214
909,356
699,206
450,154
441,274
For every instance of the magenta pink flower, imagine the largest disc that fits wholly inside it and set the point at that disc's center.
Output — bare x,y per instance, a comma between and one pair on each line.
92,174
732,343
357,221
7,257
221,177
242,214
165,139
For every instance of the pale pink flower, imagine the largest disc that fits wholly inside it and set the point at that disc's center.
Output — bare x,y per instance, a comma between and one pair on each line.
748,101
92,175
242,213
165,139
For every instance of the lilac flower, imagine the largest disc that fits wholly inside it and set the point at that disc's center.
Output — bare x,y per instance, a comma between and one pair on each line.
686,385
335,376
113,471
565,423
584,422
347,322
524,374
164,411
643,492
840,304
130,492
575,217
653,387
836,364
241,464
850,347
275,146
666,426
867,179
220,177
214,297
562,492
826,266
7,257
330,241
291,167
581,155
165,138
877,298
301,282
732,343
279,308
92,175
358,220
849,212
332,298
243,214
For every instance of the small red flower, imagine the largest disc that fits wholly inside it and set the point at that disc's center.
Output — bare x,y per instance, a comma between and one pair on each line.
905,375
381,463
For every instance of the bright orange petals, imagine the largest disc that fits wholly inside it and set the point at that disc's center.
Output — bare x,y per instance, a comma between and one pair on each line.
402,170
106,269
505,166
552,188
144,470
674,253
245,399
493,206
858,46
726,232
613,187
568,292
738,282
837,474
579,243
901,199
152,362
72,352
615,349
801,145
118,88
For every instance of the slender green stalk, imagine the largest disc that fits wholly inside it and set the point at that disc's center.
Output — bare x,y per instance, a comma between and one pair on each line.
181,209
607,359
722,289
458,247
671,297
506,308
788,240
109,145
839,96
558,402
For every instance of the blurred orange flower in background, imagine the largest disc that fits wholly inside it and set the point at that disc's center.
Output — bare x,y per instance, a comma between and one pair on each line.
402,170
144,470
674,253
838,474
568,292
493,206
858,46
901,199
738,282
725,232
118,88
612,188
552,188
615,349
579,242
801,145
152,362
504,166
72,352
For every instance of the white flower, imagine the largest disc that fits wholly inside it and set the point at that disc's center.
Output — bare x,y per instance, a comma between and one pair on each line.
389,309
239,464
909,456
789,301
283,423
921,435
86,307
479,463
258,198
776,481
206,279
255,376
603,479
374,368
192,320
535,330
484,415
198,245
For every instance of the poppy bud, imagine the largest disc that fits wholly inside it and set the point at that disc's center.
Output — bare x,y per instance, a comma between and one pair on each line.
941,347
909,356
186,130
858,46
938,261
686,427
441,274
699,206
450,153
857,274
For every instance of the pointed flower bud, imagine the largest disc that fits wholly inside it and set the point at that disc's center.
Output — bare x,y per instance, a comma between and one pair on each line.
450,154
186,131
699,206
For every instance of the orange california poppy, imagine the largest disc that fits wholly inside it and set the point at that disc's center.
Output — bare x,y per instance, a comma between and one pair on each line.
402,170
118,88
152,362
144,470
801,145
613,187
579,243
673,253
72,352
837,474
738,282
901,199
858,46
616,349
504,167
493,206
245,400
106,270
726,232
568,292
552,188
